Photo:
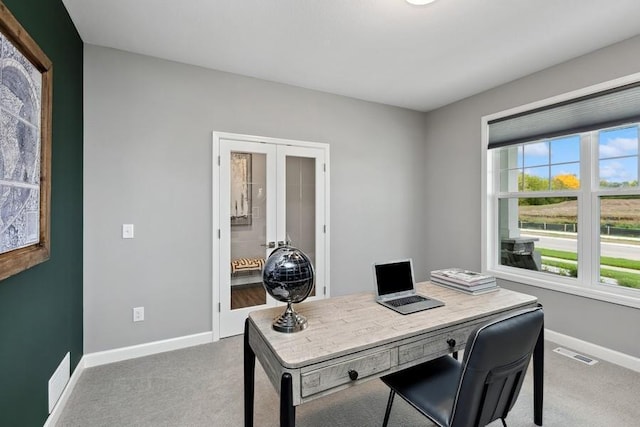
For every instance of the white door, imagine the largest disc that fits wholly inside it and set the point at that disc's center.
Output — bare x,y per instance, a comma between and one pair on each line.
247,228
270,194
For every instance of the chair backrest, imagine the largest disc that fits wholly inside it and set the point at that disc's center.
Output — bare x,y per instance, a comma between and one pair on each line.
496,358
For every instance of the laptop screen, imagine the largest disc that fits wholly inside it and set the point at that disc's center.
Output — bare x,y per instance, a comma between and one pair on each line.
394,277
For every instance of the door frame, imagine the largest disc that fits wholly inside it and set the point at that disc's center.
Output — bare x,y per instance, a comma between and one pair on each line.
215,213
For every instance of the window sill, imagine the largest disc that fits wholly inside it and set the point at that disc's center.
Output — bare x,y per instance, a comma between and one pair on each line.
563,285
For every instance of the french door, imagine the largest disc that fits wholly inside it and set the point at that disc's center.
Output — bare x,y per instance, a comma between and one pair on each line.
271,193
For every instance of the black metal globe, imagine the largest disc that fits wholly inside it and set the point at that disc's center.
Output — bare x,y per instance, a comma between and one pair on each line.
288,276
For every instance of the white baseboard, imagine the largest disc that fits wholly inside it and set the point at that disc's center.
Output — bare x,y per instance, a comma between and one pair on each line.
54,416
147,349
594,350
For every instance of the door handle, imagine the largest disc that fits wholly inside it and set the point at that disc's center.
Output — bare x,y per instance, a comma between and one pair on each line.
269,245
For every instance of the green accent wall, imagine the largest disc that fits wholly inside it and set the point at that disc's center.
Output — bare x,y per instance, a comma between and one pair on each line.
41,308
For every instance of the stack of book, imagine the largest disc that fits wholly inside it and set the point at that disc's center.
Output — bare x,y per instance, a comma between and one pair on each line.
464,280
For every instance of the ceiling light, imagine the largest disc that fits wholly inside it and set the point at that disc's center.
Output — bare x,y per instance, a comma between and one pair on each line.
420,2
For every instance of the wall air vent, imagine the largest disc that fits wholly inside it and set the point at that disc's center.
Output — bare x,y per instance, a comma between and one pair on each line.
573,355
58,381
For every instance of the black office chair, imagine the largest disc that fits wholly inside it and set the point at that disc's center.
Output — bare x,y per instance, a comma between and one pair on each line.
481,389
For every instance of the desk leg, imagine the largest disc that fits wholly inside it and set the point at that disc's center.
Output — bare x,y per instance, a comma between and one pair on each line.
287,410
538,377
249,377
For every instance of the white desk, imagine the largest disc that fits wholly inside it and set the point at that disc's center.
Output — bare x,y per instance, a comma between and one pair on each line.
352,339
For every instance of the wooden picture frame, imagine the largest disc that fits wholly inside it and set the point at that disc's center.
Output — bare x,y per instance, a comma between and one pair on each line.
26,87
240,188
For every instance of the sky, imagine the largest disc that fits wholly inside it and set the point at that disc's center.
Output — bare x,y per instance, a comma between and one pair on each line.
614,146
617,154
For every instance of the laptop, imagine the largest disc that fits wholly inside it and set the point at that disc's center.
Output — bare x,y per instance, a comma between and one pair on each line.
395,288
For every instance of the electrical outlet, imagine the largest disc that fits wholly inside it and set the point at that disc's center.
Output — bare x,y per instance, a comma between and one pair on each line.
127,231
138,314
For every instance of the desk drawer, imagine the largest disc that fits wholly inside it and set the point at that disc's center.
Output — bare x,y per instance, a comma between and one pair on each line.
434,346
342,372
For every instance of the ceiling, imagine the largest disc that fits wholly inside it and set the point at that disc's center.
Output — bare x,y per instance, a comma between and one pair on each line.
386,51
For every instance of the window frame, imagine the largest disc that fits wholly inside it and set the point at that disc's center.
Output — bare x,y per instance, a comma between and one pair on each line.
588,195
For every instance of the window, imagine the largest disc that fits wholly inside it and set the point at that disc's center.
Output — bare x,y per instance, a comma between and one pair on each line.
563,207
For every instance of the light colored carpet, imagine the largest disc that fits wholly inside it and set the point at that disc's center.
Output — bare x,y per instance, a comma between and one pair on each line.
202,386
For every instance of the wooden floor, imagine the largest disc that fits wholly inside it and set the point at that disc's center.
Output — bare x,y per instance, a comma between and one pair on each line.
247,295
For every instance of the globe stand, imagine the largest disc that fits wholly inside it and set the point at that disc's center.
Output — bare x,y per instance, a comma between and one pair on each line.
290,321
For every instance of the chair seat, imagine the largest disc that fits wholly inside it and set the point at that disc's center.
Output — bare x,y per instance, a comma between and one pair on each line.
429,387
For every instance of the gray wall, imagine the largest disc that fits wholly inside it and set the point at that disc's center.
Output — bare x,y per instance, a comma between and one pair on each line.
147,161
454,151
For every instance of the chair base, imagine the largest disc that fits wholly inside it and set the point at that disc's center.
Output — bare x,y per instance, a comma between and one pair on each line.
392,394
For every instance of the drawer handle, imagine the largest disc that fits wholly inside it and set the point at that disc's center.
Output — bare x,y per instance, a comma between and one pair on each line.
451,342
353,374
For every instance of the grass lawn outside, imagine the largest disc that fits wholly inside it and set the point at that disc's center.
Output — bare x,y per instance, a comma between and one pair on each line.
610,261
630,279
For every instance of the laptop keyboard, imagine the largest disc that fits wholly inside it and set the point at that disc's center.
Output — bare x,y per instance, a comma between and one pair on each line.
406,300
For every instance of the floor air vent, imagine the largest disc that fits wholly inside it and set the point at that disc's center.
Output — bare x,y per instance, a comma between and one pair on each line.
579,357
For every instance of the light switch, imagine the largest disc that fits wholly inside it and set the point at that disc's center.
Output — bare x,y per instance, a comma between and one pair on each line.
127,231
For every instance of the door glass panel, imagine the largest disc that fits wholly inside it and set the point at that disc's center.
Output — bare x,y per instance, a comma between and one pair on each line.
248,228
301,205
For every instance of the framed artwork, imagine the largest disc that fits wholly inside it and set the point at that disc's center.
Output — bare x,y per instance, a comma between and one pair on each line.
240,188
25,148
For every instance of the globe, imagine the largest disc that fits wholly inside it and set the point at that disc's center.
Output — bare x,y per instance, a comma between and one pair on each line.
288,276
